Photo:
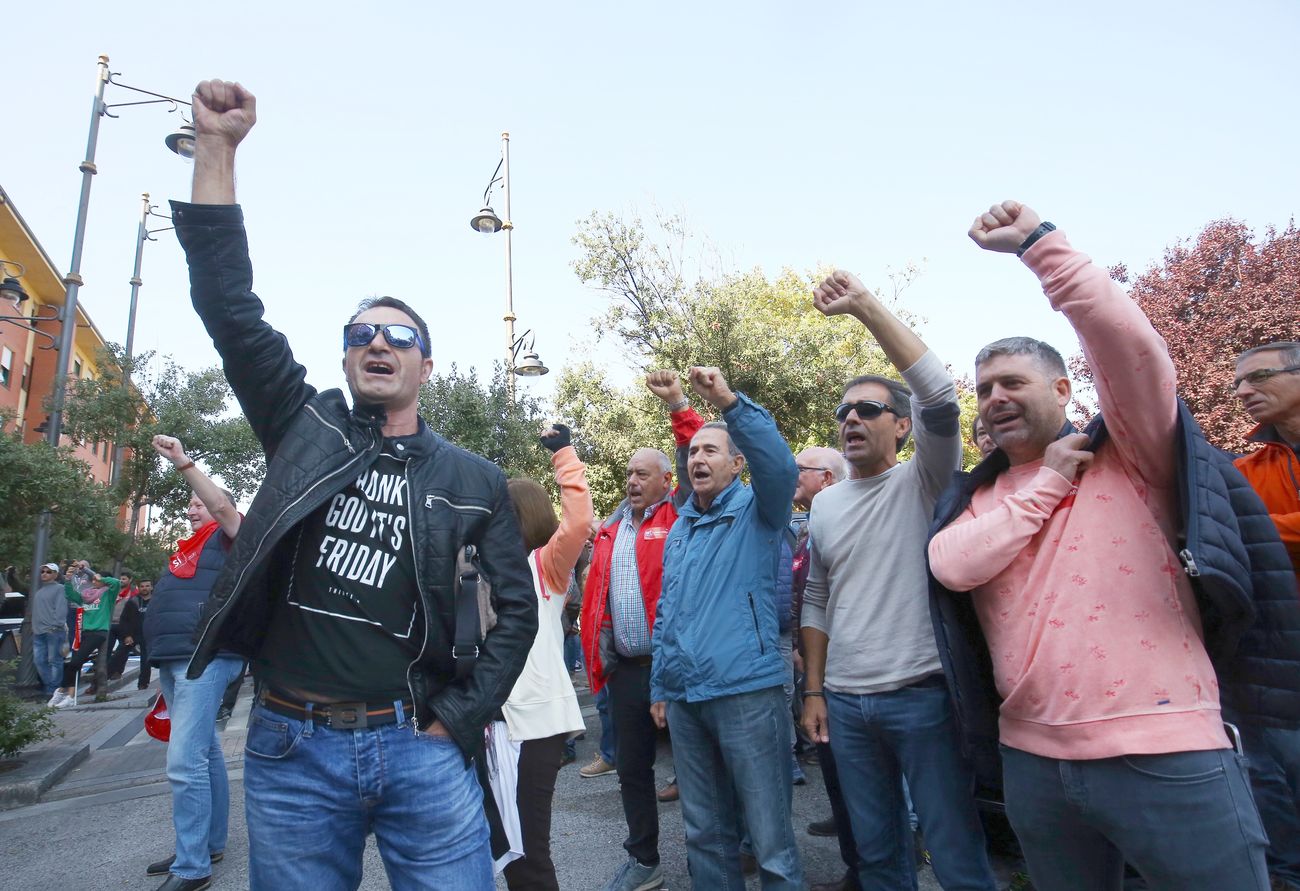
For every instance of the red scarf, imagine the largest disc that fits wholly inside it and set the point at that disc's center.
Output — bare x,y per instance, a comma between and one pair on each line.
186,559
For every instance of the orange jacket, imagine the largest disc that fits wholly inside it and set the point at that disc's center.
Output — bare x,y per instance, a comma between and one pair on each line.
1274,472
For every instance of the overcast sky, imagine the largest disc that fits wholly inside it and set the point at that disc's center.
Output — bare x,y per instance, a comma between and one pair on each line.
866,135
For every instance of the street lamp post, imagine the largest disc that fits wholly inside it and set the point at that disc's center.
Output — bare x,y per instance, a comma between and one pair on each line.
143,234
487,222
180,141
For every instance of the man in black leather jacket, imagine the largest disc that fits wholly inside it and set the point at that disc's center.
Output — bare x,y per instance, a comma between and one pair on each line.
340,587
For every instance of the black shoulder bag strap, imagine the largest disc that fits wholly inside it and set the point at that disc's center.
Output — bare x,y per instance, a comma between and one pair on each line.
469,636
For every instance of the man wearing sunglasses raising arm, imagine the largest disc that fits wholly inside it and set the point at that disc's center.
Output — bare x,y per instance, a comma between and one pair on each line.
340,587
874,688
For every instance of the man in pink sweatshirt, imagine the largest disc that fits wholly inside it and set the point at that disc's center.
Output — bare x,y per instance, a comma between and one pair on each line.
1113,747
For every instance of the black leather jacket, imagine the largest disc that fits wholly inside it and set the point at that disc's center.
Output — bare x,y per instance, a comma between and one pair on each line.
314,446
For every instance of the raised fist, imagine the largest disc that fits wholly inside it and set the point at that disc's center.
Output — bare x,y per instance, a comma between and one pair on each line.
666,385
1004,227
223,111
170,448
712,386
841,293
556,437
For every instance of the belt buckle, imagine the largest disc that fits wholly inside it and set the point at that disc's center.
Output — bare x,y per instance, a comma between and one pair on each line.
347,716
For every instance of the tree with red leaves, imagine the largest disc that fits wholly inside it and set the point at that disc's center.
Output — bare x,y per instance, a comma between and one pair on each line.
1210,299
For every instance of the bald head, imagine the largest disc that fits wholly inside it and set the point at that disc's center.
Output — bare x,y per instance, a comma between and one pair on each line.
649,477
819,467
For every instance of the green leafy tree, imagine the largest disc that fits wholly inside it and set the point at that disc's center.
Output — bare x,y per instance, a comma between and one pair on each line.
194,406
483,419
763,333
39,477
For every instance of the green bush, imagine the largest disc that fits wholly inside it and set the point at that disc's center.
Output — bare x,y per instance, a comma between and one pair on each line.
20,724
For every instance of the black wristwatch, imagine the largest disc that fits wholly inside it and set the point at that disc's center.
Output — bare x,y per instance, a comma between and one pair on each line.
1043,229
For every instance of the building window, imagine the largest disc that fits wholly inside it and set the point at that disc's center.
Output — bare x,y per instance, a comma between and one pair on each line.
76,368
6,366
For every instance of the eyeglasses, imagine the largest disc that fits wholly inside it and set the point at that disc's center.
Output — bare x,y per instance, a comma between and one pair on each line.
803,469
867,409
1261,375
399,337
47,570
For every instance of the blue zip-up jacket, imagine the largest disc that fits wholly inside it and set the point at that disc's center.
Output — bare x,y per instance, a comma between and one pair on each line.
716,630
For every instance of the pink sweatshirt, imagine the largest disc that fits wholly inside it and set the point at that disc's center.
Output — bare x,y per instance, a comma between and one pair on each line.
1091,623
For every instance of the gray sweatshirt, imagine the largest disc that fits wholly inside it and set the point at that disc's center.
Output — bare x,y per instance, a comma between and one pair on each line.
50,609
867,584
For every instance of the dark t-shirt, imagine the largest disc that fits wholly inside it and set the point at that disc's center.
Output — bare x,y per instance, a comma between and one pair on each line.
350,622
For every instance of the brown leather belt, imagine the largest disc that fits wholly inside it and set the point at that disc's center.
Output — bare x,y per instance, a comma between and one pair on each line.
337,715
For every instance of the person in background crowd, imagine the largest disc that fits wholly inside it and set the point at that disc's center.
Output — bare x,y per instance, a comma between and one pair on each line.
50,630
980,437
96,594
196,766
1267,381
124,596
542,710
132,631
820,467
619,608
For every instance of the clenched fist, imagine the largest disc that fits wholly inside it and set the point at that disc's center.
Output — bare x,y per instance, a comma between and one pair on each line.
666,385
223,111
170,448
841,293
1004,227
712,386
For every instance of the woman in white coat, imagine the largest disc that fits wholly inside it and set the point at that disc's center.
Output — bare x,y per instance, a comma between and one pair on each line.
542,711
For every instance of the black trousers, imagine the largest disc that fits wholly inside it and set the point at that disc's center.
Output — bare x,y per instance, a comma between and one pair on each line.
91,642
629,705
539,764
117,661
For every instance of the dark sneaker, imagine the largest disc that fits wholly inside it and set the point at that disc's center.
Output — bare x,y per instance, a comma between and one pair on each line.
634,876
176,883
822,828
163,867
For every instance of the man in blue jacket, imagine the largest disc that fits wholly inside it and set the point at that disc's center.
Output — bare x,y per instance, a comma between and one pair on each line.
717,668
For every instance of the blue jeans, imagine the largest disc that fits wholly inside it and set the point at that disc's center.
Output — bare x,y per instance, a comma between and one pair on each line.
878,740
196,767
312,794
1274,762
608,732
732,756
47,653
573,652
1184,820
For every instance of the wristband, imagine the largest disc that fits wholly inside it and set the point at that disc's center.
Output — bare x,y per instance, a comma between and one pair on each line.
817,693
1043,229
185,467
679,405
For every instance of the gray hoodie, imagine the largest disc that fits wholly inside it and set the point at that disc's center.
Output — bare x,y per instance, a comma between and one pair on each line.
50,609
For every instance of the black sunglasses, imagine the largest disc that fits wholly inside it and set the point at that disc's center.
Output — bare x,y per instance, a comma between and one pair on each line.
399,337
867,409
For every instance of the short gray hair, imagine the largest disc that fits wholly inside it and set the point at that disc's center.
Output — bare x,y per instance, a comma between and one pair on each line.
1043,353
661,459
731,443
900,397
1289,349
